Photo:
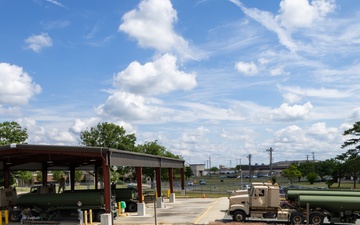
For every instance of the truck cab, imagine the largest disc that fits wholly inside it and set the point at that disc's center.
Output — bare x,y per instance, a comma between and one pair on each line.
262,201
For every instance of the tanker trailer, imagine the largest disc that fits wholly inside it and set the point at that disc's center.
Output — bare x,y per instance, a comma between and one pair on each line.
48,205
337,209
128,195
293,194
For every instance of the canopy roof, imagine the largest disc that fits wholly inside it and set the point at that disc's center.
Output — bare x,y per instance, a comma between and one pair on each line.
55,157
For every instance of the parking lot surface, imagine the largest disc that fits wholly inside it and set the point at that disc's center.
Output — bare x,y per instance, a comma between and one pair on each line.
182,211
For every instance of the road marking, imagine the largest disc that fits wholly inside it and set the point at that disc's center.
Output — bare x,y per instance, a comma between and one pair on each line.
196,221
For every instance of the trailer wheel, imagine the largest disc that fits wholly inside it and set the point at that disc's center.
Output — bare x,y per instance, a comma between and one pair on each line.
316,218
296,218
98,215
15,216
131,206
239,216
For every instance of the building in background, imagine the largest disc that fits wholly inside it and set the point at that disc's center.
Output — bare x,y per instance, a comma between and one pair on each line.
198,170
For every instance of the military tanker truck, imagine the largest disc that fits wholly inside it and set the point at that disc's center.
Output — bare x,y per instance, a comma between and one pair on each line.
263,201
127,195
43,202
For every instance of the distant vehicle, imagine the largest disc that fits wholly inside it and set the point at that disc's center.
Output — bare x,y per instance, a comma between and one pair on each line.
247,186
202,182
190,183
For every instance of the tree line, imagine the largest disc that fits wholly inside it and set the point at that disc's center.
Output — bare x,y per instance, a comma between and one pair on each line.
345,165
113,136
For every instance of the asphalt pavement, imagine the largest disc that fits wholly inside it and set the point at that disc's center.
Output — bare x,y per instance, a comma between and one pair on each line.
182,211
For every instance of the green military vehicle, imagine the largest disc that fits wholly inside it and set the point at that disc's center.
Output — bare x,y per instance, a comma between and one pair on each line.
43,202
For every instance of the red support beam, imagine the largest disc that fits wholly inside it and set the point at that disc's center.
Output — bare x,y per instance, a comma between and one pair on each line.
138,171
96,172
171,178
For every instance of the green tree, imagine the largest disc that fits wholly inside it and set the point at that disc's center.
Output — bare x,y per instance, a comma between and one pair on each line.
111,136
325,168
11,132
56,175
351,166
306,167
338,171
108,135
311,177
25,177
153,148
38,176
351,157
78,175
188,172
292,173
214,169
355,133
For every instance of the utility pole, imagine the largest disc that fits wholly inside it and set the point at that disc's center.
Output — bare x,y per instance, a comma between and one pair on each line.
313,154
270,150
249,157
210,166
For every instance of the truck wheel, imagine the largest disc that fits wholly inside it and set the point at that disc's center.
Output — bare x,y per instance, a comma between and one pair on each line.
131,206
316,218
296,218
15,216
239,216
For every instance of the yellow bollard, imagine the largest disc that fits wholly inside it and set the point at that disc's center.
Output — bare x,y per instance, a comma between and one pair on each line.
122,206
119,208
86,217
0,217
6,216
90,215
168,193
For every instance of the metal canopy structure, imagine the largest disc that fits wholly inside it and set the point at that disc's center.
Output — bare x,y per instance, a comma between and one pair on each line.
33,157
27,157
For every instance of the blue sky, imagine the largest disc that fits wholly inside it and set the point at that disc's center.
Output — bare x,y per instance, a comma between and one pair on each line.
207,79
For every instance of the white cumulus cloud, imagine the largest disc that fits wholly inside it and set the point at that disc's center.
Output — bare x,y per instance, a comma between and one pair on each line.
151,24
245,68
16,86
130,106
38,42
288,112
302,13
152,78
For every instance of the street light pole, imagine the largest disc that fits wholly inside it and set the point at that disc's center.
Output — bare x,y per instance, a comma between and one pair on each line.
250,176
241,177
270,150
